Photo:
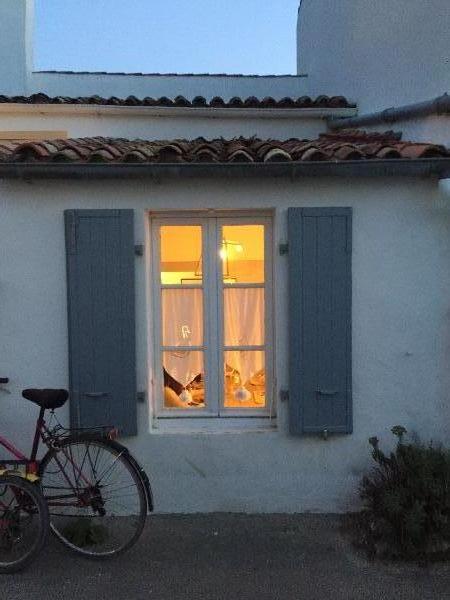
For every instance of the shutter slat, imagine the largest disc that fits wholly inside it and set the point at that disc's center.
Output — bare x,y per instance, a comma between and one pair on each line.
307,332
320,320
100,271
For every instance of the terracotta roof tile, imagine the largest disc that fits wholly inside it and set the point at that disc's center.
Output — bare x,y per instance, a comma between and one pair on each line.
336,147
181,101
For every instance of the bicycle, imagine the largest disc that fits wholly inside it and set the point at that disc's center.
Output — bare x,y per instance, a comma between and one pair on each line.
97,494
24,522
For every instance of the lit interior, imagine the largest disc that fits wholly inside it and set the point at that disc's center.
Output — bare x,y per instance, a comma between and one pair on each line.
239,260
242,253
181,254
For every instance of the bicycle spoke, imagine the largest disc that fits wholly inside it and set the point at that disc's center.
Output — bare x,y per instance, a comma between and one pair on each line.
104,501
112,466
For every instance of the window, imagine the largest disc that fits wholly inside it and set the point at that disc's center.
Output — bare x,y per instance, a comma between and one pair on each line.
212,298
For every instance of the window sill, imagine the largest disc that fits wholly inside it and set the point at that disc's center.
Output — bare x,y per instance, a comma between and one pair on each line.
213,425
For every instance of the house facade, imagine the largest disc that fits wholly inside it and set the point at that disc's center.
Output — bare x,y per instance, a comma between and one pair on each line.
226,270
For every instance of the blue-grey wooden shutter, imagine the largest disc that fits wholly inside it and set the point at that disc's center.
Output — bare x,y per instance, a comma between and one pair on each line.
320,299
100,277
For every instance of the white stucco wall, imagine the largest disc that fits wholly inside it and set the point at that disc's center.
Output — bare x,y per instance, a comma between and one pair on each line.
189,86
16,45
401,333
435,128
143,124
380,53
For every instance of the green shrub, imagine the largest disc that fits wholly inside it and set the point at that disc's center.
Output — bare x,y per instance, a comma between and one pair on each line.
406,499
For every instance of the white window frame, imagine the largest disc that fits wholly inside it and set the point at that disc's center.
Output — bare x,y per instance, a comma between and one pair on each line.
213,286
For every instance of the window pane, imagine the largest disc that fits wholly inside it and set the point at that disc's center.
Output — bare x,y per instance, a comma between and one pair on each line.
243,316
245,379
181,254
242,253
184,379
182,317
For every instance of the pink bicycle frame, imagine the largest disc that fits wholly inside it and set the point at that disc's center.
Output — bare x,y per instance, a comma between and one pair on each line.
31,464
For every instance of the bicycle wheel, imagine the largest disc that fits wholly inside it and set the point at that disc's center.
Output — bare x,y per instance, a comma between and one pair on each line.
24,523
96,498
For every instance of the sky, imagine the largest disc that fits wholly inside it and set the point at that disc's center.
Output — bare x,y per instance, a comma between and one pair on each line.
183,36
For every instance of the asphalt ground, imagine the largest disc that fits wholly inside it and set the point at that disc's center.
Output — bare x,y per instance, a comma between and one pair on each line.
229,556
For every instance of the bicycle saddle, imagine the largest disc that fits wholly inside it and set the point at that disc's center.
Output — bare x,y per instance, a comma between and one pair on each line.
49,399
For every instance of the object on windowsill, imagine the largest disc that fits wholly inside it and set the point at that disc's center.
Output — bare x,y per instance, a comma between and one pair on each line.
242,395
186,396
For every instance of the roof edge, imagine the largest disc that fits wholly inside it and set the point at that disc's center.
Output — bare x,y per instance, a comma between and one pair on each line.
433,167
124,74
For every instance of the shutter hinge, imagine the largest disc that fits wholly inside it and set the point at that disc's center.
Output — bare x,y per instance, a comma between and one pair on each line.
283,249
284,395
140,396
139,249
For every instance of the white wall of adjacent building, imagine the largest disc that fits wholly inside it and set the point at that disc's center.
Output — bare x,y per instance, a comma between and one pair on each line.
435,128
379,54
189,86
16,45
162,123
401,343
17,76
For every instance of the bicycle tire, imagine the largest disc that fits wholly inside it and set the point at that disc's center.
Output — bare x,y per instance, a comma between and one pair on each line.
22,504
84,529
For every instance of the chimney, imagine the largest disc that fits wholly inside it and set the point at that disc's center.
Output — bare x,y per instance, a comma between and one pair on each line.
16,45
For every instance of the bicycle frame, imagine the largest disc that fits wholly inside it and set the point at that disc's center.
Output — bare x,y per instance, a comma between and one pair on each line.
32,465
20,458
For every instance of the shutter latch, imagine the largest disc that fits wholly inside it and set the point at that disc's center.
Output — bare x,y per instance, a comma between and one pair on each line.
320,392
283,249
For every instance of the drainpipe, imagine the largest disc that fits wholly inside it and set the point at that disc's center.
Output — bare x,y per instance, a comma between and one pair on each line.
444,190
438,106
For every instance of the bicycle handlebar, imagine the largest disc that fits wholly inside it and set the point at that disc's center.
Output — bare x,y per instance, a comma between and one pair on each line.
4,379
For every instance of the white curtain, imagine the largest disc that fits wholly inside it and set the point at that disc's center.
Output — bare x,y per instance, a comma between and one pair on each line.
182,365
182,325
244,326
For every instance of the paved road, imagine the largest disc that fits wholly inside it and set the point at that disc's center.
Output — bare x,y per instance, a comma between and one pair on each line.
215,557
